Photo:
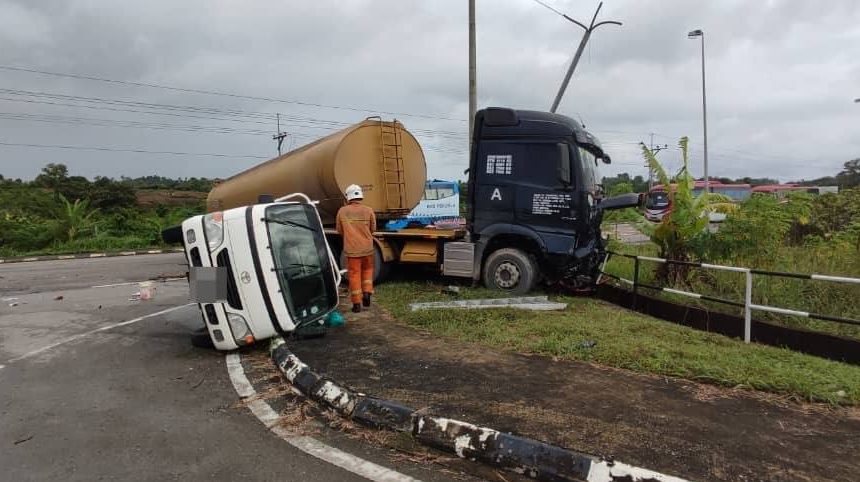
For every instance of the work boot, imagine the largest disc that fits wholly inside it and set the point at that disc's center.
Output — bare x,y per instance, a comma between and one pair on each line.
356,307
366,299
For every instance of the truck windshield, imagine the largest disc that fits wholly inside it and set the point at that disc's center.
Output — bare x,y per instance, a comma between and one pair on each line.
301,261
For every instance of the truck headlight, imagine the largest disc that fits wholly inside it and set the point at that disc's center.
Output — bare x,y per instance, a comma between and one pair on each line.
241,332
213,225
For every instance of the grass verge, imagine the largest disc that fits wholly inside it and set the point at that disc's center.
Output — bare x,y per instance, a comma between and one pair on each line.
629,340
823,297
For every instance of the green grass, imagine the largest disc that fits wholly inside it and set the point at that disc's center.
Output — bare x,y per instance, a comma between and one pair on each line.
628,340
823,297
85,245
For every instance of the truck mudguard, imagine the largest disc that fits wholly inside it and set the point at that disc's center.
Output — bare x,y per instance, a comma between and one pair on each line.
490,232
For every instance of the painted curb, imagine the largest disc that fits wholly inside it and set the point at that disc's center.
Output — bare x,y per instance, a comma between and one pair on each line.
525,456
56,257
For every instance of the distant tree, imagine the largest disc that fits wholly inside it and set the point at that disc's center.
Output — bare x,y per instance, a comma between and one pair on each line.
75,187
109,195
52,177
850,174
621,188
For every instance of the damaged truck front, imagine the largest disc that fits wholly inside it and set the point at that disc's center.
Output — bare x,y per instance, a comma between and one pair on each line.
261,270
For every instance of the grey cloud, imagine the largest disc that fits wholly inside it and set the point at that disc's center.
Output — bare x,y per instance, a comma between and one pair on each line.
780,73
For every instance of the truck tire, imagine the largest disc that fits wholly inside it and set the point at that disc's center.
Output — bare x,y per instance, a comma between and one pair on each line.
510,270
380,267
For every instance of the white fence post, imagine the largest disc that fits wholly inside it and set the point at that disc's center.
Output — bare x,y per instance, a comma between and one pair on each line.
747,307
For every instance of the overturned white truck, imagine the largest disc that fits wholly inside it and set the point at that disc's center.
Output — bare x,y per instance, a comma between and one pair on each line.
262,270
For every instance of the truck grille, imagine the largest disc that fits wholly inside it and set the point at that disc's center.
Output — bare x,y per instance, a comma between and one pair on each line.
210,314
233,299
195,257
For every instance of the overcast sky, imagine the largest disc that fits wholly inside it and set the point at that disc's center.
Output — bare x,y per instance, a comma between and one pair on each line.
781,77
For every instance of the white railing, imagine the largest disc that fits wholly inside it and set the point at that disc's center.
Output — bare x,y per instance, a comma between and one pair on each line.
747,305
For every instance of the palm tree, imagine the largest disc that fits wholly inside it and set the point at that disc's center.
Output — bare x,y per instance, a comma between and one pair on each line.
74,218
687,219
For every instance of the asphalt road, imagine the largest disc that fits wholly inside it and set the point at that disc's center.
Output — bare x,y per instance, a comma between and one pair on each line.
135,401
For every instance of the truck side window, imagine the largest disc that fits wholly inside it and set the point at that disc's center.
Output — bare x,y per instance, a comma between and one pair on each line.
589,170
563,164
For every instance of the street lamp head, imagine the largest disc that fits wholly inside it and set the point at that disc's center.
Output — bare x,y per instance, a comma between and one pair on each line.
857,100
695,33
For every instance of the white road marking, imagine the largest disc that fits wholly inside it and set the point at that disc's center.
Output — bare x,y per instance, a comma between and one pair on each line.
134,283
607,472
308,445
91,332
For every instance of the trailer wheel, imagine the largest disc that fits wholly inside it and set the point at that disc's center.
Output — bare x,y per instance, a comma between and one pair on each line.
380,267
510,270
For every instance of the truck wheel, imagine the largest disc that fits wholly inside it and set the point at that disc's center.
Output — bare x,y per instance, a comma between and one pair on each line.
510,270
380,268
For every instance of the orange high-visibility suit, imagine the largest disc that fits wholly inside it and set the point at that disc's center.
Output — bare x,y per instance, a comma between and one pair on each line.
355,223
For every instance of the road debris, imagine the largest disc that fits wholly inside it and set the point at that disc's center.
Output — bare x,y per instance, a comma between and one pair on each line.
451,290
534,303
58,298
25,439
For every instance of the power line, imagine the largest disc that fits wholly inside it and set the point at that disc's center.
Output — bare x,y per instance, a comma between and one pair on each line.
218,93
136,151
557,12
221,115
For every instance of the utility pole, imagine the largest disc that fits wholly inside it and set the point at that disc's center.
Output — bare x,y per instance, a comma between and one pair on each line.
280,136
473,81
654,150
588,30
692,35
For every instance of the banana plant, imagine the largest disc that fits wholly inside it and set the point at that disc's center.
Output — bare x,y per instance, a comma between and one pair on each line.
687,219
75,218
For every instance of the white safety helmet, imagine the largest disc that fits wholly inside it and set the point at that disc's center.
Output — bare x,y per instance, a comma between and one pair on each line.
353,192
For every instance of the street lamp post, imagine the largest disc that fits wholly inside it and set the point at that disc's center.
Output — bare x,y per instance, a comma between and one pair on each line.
693,35
588,31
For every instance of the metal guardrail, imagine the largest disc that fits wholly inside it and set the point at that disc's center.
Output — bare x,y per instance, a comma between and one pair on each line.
747,304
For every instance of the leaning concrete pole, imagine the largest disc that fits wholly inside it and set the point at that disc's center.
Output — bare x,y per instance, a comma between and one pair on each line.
588,30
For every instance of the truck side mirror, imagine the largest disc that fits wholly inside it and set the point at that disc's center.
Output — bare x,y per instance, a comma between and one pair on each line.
564,164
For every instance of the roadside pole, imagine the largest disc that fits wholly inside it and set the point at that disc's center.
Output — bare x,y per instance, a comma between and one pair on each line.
473,82
578,54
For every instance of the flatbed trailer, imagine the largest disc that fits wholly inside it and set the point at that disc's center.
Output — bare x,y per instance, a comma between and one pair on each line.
409,245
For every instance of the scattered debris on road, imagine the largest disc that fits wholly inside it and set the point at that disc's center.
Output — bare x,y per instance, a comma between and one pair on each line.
58,298
25,439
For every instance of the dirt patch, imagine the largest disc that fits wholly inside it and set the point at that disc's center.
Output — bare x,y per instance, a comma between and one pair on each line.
154,197
673,426
301,416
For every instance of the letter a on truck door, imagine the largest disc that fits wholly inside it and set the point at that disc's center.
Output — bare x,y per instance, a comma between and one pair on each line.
496,168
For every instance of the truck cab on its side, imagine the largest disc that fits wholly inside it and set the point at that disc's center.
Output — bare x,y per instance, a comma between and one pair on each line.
535,203
278,270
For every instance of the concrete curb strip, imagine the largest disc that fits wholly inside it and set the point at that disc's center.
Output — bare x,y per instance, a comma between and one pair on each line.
534,303
525,456
55,257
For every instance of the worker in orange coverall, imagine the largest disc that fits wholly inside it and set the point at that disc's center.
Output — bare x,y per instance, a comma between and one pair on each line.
356,223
